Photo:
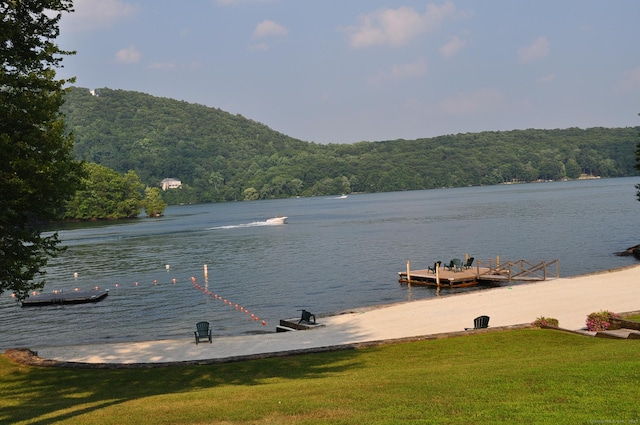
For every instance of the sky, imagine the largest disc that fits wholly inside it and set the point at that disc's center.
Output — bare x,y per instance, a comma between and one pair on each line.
345,71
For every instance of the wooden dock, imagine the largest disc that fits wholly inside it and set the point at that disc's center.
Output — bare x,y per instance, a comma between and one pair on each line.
59,297
490,272
287,325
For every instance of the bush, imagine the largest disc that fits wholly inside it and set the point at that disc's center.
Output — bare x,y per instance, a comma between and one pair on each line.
600,321
545,321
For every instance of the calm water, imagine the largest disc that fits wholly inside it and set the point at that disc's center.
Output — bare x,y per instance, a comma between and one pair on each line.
333,255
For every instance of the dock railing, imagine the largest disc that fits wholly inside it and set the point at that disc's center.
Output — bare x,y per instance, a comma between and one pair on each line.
521,270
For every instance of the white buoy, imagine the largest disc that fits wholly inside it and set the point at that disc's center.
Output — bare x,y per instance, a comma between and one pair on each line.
167,267
75,275
206,272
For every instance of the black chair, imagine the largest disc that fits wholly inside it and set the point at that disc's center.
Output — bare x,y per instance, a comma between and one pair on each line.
436,265
479,322
202,332
306,317
467,265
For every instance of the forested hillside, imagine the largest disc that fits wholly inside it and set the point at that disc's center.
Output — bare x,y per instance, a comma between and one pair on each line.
220,157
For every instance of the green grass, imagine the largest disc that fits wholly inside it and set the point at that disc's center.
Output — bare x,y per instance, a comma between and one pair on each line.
521,376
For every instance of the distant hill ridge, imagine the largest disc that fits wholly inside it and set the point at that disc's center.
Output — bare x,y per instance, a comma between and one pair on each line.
219,156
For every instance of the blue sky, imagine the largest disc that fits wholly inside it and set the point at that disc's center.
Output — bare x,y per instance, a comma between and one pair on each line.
343,71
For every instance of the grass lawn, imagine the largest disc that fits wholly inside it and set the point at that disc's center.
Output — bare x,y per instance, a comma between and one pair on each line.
531,376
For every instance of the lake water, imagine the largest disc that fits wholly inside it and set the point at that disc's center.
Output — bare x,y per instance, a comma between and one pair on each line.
332,255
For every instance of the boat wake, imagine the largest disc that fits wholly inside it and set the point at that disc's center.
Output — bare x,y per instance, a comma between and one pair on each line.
275,221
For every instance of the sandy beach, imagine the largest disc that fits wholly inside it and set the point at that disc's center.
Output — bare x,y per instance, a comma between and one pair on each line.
569,300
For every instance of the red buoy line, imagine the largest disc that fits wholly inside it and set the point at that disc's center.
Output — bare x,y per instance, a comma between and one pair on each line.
227,302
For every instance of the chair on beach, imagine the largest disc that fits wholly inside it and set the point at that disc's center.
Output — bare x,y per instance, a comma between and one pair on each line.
202,332
306,317
479,322
467,265
436,265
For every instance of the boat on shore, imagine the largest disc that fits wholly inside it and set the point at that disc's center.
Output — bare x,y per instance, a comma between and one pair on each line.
60,298
277,220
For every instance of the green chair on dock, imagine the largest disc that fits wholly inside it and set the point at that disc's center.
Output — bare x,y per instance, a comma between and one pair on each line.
479,322
202,332
455,265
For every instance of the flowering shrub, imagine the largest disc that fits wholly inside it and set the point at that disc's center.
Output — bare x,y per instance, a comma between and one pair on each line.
545,321
600,321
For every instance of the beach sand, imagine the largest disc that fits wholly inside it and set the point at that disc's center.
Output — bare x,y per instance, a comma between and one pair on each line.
569,300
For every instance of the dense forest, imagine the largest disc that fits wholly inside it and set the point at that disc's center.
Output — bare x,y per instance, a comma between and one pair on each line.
219,156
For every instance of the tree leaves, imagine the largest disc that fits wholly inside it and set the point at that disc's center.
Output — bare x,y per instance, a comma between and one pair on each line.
37,170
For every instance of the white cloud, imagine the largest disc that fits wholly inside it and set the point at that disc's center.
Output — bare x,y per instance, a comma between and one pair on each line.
260,46
268,28
401,71
396,27
128,55
163,65
409,70
484,100
632,80
537,50
547,78
237,2
97,14
454,45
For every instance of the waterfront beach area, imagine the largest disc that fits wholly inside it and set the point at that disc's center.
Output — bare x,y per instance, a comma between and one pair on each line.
569,300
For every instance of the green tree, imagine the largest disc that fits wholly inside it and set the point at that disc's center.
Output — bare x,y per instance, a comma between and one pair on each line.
153,203
572,169
251,194
37,170
106,195
131,201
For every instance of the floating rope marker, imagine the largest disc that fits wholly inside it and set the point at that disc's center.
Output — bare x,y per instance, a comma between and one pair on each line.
230,303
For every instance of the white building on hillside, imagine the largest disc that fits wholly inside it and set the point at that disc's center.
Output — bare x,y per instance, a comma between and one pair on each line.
170,183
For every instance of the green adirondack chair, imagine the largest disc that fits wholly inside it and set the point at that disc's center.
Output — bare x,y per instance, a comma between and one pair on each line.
202,332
